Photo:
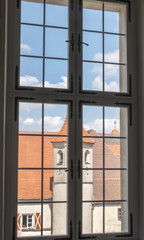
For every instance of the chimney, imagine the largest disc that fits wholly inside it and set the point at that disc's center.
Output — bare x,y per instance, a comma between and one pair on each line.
114,124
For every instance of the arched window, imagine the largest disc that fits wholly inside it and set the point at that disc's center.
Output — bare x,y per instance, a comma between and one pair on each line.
87,157
60,158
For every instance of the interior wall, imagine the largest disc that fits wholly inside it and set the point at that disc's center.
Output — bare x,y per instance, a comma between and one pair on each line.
140,82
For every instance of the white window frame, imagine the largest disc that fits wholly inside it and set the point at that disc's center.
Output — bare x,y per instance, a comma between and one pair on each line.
27,215
11,125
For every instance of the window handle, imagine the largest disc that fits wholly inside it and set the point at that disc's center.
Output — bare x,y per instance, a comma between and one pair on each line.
71,41
80,43
86,44
70,169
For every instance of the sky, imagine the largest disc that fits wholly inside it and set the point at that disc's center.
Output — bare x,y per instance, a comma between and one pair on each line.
56,71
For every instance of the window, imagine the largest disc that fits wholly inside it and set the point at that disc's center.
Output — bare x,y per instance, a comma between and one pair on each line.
87,157
71,121
119,214
60,158
27,221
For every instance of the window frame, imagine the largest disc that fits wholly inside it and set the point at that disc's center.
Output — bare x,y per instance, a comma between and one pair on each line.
50,95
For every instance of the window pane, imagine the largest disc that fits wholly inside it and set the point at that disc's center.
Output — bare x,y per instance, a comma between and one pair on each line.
56,74
116,153
92,151
31,72
92,76
55,152
57,13
55,185
112,222
24,211
92,15
115,48
115,78
55,219
115,18
30,115
31,40
55,119
29,185
29,151
32,11
92,218
92,120
92,185
116,121
94,50
116,185
56,45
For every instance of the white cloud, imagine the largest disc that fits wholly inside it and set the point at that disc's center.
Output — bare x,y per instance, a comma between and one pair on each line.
62,84
28,121
97,125
27,107
97,83
29,80
26,48
109,57
52,124
110,72
111,86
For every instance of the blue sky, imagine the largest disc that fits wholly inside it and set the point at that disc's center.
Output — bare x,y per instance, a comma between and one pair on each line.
31,71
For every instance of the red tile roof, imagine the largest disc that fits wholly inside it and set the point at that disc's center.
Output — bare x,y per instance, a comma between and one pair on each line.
30,156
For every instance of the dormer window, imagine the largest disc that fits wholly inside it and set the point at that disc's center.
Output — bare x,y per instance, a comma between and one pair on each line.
60,158
87,157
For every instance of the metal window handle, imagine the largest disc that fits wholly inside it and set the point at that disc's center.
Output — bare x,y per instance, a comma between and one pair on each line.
85,43
72,42
70,169
80,43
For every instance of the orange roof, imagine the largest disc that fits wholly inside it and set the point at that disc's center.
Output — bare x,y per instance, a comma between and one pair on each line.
115,132
63,132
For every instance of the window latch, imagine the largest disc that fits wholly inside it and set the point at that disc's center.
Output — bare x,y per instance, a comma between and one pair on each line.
71,41
70,169
80,43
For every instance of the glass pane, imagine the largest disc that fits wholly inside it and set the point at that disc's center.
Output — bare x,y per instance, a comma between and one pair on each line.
55,152
30,115
29,185
32,11
29,151
57,13
92,121
115,18
94,50
116,153
92,15
116,122
55,185
56,75
115,48
92,218
55,218
31,40
31,72
92,152
55,119
56,45
92,185
23,211
116,217
92,76
116,185
115,78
